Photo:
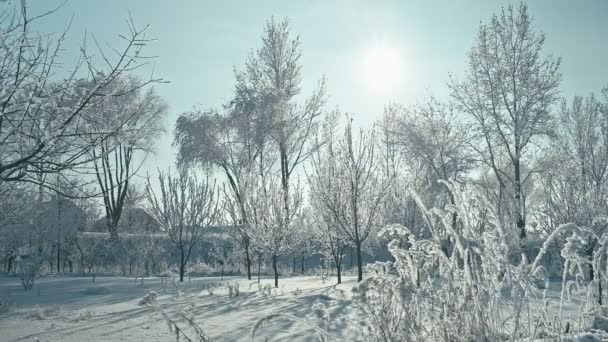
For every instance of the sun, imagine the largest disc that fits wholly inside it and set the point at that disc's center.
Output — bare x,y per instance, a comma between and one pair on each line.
382,69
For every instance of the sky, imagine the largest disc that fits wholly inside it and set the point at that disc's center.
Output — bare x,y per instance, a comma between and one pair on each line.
371,52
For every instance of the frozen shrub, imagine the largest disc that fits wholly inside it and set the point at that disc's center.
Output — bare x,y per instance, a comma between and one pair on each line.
233,290
197,332
149,298
318,309
29,270
265,289
467,289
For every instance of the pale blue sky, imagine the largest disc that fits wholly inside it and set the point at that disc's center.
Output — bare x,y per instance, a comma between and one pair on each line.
199,42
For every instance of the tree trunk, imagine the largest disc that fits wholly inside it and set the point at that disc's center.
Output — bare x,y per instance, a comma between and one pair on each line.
276,271
521,220
359,262
352,257
113,232
58,255
294,265
339,271
9,267
302,264
259,266
248,262
182,266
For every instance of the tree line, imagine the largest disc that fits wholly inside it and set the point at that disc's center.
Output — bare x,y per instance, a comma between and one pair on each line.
295,177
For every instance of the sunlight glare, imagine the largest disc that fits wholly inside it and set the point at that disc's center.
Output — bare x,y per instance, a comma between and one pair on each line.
382,69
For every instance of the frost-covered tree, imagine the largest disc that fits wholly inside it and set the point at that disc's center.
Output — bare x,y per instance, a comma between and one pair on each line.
329,240
185,207
93,252
61,219
271,224
44,104
272,76
231,141
433,137
577,191
263,123
345,182
115,158
508,90
305,241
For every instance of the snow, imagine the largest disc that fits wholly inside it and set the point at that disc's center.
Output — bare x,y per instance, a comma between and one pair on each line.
75,309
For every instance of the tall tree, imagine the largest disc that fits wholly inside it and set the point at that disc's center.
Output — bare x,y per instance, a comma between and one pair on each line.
273,74
231,141
261,124
114,159
508,91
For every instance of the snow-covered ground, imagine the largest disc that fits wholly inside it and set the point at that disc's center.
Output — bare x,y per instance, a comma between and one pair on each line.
75,309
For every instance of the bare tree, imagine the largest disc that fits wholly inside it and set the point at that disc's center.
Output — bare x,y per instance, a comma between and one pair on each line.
508,91
345,182
185,207
141,111
272,228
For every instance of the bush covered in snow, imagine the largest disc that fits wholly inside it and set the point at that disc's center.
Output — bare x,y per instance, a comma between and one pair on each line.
29,269
461,285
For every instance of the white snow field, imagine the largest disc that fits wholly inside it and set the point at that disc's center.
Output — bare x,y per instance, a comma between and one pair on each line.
75,309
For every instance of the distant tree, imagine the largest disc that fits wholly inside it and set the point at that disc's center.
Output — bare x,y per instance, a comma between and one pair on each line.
577,191
185,208
16,207
94,253
61,220
508,91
